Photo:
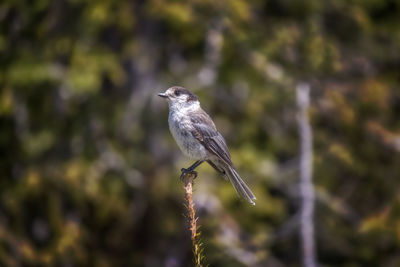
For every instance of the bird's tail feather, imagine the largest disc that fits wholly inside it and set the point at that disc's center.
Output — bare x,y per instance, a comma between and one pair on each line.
240,186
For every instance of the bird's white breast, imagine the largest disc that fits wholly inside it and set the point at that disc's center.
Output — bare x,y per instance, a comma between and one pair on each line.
180,127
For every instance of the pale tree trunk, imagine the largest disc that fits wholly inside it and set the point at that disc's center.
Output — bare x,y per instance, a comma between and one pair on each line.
306,186
213,48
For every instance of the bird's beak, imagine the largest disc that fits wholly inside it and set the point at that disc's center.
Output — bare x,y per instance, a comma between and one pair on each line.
163,95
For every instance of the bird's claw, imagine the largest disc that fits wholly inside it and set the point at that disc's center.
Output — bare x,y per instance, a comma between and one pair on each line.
188,171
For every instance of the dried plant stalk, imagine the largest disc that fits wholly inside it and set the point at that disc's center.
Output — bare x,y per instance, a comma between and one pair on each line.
192,219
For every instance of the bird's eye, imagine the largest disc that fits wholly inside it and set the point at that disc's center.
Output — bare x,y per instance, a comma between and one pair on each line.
177,92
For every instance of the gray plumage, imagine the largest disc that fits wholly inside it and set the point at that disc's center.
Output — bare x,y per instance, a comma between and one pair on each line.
197,137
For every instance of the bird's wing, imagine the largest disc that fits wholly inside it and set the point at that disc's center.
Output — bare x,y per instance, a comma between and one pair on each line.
205,131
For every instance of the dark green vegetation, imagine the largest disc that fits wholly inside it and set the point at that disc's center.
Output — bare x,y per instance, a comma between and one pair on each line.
89,174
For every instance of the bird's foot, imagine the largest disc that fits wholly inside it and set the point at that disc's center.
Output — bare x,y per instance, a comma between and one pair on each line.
188,171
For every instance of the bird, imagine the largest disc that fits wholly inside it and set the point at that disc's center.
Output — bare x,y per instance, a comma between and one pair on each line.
197,137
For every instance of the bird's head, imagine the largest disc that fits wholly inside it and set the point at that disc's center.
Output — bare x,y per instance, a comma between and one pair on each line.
179,97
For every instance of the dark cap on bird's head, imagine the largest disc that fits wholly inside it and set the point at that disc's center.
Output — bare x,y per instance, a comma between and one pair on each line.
178,93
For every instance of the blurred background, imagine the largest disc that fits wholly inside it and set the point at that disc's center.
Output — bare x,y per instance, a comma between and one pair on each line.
90,173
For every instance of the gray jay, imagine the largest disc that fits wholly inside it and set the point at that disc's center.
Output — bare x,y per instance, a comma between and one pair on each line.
198,138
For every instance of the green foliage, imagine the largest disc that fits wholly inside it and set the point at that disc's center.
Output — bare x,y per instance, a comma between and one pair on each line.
89,171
